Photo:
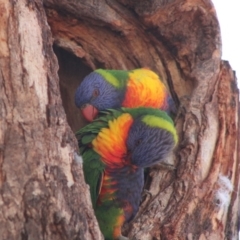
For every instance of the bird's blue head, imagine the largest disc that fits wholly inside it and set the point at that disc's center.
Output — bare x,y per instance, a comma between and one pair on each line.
148,145
97,94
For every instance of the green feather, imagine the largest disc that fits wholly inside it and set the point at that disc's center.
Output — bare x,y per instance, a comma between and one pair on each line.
137,112
117,78
107,217
154,118
87,138
93,169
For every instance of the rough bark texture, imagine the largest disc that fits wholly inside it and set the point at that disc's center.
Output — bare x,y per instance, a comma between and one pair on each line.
43,195
42,190
180,40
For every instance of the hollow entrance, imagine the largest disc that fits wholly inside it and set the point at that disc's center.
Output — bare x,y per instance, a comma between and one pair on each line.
71,72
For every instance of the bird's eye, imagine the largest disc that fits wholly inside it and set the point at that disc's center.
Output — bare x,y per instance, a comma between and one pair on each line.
95,93
138,142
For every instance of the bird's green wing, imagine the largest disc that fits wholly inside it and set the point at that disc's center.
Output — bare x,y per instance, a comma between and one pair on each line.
93,169
154,118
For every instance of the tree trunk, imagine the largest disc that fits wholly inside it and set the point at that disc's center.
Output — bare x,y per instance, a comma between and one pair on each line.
43,194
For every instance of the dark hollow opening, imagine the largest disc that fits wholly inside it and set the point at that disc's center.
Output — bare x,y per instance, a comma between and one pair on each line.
71,72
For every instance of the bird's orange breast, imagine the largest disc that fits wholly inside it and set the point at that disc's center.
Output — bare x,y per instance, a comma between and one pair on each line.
110,143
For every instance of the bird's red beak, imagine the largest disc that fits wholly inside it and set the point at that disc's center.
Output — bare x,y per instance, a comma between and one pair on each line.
89,112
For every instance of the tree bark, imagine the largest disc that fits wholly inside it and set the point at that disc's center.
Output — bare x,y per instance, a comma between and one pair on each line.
181,41
42,190
43,194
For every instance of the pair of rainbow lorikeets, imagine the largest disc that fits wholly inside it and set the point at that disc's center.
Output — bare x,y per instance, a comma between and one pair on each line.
130,134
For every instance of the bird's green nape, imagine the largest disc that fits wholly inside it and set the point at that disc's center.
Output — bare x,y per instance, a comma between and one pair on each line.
154,118
117,78
163,123
136,112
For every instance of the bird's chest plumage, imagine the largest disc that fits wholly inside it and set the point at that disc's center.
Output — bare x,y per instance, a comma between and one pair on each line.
110,143
122,182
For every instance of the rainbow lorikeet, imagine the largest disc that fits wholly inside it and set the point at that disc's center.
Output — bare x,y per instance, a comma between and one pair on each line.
104,89
116,147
